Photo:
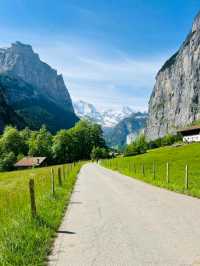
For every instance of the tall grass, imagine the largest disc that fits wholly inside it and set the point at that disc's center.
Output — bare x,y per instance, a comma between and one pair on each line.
177,158
24,240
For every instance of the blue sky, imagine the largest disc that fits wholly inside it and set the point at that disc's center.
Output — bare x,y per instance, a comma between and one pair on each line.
108,51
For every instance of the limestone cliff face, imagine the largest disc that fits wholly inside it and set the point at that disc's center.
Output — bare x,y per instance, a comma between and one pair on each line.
19,60
7,115
175,100
32,91
22,104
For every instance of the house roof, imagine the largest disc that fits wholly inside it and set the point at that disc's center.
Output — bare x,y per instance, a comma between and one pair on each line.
189,129
30,161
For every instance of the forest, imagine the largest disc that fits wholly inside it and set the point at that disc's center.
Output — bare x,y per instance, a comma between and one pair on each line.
82,142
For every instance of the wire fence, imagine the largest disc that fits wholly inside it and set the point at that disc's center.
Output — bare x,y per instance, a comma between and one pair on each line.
15,191
177,175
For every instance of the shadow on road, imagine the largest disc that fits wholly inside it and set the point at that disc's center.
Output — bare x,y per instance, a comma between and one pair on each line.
65,232
75,202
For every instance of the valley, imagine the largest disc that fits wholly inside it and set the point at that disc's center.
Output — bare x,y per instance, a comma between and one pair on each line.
87,175
120,127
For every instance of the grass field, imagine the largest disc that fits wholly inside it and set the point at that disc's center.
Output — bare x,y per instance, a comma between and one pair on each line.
24,240
142,167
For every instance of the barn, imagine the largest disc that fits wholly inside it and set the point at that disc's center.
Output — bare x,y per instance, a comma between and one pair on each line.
190,134
29,162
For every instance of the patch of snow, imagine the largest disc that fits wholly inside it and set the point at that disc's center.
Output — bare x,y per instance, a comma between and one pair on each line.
108,118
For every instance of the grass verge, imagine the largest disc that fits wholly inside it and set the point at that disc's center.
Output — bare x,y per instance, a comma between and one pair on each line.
142,167
26,241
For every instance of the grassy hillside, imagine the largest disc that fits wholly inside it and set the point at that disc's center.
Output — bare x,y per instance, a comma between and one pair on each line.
142,167
24,240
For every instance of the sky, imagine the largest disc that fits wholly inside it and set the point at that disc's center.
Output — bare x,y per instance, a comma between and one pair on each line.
108,51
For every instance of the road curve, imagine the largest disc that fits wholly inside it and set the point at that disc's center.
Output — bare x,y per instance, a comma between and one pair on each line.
115,220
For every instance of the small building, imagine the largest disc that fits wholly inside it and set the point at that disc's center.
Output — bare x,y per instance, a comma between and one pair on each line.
29,162
191,134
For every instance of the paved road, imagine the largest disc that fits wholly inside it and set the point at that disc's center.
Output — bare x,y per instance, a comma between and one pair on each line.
115,220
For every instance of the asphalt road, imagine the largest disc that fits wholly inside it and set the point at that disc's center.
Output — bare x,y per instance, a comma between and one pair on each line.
115,220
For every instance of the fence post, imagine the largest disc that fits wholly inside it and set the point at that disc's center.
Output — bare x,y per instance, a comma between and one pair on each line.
143,173
186,176
59,177
129,167
63,168
32,197
167,172
154,170
52,182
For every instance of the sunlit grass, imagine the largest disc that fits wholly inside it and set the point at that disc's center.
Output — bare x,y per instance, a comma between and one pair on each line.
177,158
24,240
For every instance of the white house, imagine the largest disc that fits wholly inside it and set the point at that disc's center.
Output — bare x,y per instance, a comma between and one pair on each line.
191,134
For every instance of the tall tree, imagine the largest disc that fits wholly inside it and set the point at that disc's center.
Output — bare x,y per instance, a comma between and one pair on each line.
62,147
40,143
11,141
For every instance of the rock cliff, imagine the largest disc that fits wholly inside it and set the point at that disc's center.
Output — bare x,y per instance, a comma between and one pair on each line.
19,60
34,90
175,100
7,115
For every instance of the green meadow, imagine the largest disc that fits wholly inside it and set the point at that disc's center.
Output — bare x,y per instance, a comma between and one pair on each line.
25,240
151,167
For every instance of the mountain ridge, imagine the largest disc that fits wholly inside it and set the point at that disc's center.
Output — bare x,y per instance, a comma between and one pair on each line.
106,118
119,126
126,130
175,99
34,90
21,61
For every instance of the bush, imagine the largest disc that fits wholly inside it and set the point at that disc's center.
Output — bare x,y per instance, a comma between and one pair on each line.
167,140
131,150
139,146
7,161
99,153
11,141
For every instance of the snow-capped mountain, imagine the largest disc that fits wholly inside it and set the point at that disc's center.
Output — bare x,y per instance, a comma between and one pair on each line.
126,130
107,118
112,117
87,110
120,126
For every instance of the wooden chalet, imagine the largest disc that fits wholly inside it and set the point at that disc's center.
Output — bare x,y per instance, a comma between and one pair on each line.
29,162
190,134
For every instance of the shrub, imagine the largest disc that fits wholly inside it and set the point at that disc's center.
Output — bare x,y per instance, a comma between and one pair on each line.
7,161
99,153
167,140
139,146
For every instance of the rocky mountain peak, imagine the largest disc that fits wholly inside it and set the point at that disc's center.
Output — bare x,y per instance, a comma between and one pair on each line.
19,46
196,24
175,100
33,91
21,61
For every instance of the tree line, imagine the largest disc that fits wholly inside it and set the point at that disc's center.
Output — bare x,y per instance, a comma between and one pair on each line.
140,145
82,142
